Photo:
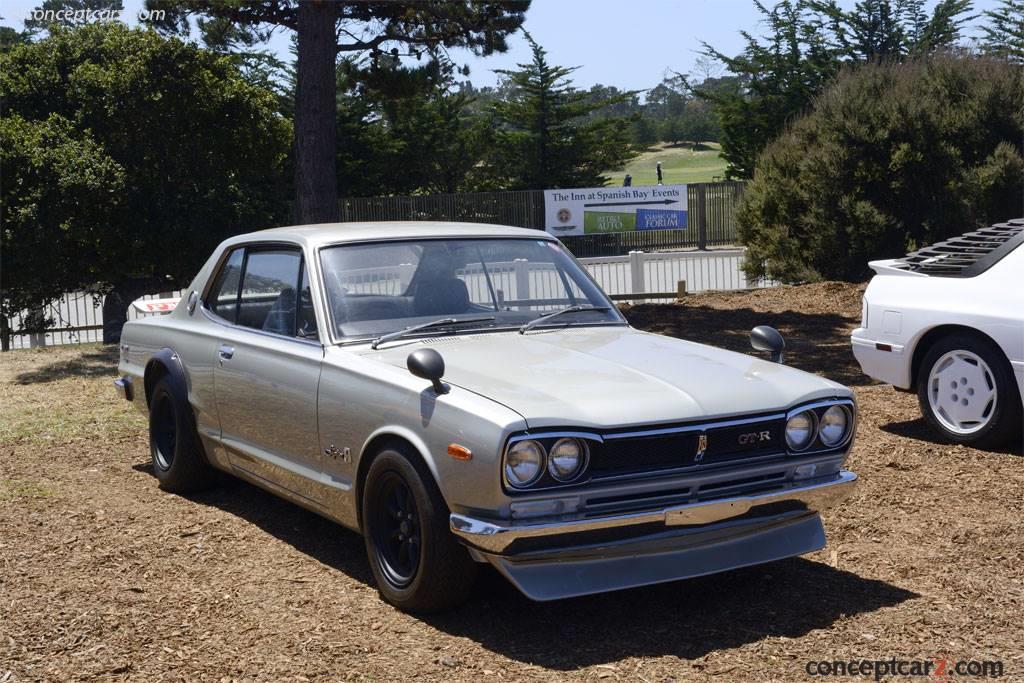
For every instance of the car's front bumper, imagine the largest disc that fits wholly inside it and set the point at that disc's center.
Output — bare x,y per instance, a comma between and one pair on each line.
555,559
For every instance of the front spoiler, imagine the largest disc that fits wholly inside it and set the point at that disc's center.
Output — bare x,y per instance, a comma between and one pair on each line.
738,545
494,536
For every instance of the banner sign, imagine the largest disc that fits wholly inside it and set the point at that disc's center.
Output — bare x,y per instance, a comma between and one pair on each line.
614,209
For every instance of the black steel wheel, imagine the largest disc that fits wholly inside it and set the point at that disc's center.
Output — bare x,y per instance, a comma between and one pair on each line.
416,561
163,428
178,460
396,530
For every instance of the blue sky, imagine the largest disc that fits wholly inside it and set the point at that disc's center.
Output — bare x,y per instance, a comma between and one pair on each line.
629,44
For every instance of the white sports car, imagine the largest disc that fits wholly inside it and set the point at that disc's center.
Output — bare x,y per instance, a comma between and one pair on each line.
947,321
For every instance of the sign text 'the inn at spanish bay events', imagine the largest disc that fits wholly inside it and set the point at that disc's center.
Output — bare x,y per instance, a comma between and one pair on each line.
614,209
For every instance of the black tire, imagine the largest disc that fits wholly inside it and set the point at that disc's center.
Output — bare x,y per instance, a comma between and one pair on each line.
178,461
416,561
1003,421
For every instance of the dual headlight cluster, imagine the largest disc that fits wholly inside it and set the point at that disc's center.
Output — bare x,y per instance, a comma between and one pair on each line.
527,461
830,427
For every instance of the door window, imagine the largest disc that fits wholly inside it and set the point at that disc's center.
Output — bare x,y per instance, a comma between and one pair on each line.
265,288
268,298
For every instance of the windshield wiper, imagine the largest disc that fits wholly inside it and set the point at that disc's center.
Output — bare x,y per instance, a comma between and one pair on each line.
443,322
568,309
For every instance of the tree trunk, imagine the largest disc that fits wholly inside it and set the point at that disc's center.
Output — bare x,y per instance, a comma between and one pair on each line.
116,303
5,333
316,185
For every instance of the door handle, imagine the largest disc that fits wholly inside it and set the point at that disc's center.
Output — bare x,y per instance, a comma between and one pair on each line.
226,352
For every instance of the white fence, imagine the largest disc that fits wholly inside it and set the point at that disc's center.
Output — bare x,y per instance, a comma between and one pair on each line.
641,272
78,317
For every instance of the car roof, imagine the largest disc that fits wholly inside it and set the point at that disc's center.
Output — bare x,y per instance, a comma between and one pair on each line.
337,233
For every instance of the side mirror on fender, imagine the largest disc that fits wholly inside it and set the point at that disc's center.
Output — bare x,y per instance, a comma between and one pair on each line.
428,364
765,338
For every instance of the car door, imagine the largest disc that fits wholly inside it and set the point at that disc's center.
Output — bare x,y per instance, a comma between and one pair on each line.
267,371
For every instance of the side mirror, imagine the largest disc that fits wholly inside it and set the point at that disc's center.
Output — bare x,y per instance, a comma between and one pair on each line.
428,364
765,338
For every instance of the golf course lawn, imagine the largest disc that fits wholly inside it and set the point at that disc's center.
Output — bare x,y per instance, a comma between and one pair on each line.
678,164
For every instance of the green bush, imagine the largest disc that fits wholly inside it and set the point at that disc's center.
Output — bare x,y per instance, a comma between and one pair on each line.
890,158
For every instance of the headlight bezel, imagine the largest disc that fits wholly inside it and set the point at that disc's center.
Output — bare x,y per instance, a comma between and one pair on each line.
818,409
547,480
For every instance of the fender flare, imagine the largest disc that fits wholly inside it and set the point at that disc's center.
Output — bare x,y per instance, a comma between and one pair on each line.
166,363
366,453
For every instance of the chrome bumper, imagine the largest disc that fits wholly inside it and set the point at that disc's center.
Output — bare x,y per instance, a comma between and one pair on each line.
495,536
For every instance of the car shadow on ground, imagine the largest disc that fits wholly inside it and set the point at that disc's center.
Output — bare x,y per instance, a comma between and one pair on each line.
687,619
100,362
818,343
305,531
919,430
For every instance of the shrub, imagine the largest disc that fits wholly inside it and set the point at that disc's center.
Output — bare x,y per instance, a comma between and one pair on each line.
890,158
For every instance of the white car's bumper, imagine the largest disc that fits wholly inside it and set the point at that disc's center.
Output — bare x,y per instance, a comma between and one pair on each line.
883,361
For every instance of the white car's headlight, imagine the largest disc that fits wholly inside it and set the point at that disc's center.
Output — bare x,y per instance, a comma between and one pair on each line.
566,459
524,463
833,425
800,430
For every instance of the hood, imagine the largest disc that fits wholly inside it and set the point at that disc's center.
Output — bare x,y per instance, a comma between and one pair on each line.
614,376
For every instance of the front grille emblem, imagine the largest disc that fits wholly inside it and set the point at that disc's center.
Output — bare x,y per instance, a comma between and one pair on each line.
702,445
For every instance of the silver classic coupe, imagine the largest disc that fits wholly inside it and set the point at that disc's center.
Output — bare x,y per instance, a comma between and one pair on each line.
463,394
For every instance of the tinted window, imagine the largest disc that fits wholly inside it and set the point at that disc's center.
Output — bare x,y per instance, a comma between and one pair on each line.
224,294
269,285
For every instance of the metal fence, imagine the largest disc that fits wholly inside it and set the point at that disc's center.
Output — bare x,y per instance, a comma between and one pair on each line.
78,317
711,217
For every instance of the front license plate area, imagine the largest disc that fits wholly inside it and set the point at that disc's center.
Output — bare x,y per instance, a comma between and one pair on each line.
706,513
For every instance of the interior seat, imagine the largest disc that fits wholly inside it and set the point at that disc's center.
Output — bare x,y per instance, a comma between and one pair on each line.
444,296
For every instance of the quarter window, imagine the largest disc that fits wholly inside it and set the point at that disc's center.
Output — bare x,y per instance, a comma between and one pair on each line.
224,295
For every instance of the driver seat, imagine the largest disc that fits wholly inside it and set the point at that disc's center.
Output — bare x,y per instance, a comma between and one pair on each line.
443,296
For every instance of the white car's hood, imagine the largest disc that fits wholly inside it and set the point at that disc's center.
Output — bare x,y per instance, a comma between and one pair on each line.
614,376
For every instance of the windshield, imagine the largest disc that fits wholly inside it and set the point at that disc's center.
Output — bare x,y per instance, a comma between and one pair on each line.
375,289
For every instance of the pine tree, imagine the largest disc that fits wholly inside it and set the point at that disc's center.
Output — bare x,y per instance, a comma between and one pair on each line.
542,136
1004,33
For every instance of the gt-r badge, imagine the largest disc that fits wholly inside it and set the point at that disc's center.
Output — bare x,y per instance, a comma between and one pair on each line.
702,445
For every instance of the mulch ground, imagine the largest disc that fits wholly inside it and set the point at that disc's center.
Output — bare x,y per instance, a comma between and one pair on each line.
105,577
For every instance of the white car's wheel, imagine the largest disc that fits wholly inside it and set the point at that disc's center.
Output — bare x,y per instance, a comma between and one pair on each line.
967,393
962,391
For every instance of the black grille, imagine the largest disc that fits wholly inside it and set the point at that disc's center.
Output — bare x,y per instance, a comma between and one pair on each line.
967,255
641,454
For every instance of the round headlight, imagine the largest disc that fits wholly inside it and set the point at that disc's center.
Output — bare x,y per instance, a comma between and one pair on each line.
800,430
566,459
833,425
524,463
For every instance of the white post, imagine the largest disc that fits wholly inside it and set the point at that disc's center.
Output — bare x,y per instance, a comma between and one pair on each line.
636,272
38,339
405,271
522,267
